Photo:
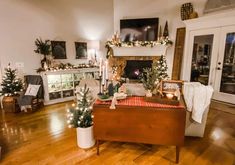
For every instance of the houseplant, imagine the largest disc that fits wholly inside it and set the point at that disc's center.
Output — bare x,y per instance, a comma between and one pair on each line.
44,48
80,117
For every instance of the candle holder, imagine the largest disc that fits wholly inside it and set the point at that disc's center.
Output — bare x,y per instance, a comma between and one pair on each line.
106,86
100,90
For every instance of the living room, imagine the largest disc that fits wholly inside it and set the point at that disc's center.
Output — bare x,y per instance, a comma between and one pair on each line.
63,45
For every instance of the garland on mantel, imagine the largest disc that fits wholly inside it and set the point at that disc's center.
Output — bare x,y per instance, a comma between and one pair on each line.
113,43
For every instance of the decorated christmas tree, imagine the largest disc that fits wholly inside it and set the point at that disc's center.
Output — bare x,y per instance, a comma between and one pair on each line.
11,85
81,115
161,67
151,77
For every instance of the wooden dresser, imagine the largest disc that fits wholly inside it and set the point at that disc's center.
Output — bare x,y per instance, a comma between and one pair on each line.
135,120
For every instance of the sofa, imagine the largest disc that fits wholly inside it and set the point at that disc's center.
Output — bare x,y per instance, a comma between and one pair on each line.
192,128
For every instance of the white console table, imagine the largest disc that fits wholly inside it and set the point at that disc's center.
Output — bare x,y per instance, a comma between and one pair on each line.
59,86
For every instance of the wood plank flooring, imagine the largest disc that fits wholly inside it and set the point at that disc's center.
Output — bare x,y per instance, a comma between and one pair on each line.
43,137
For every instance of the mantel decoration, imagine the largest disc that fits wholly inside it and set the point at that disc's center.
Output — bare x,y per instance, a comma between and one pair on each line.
44,48
11,85
151,77
65,66
116,42
80,117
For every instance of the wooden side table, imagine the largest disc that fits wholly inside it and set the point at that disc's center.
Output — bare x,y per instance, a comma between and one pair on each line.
10,104
140,124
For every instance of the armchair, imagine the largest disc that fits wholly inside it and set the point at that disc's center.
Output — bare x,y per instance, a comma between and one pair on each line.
30,101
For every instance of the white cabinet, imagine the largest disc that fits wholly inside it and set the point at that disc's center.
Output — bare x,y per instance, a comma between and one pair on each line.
59,86
209,55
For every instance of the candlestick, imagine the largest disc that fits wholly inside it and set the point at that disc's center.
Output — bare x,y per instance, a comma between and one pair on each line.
100,66
106,70
100,92
103,90
106,85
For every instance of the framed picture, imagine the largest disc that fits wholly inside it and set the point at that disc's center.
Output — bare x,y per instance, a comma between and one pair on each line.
59,49
81,50
170,86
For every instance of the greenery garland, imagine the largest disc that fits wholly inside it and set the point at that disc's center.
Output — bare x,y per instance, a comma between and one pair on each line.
112,43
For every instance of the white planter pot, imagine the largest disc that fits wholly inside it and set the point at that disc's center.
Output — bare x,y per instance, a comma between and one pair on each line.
148,93
85,138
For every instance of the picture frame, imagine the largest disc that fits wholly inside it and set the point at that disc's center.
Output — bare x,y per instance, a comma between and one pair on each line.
58,49
81,50
170,86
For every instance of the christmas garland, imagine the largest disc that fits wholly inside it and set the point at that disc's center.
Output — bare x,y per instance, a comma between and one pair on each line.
66,66
112,43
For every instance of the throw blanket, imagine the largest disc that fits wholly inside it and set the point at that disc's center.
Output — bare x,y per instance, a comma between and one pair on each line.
197,98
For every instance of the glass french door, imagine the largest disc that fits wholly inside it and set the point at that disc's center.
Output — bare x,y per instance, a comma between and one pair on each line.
225,67
202,56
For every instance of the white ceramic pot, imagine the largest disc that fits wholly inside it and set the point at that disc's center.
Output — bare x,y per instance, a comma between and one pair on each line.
148,93
85,138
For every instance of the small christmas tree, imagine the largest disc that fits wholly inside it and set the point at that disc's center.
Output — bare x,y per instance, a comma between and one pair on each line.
161,68
148,78
11,85
81,115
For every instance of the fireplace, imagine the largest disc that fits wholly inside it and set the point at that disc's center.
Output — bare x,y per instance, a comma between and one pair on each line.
134,68
118,64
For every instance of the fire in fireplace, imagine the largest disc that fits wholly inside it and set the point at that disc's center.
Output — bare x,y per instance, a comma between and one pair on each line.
134,68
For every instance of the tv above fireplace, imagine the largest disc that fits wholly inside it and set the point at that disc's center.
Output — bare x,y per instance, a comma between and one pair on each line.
145,29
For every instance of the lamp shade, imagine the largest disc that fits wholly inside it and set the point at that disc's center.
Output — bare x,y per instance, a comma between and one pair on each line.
94,44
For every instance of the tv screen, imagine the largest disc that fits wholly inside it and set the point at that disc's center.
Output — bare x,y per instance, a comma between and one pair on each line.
145,29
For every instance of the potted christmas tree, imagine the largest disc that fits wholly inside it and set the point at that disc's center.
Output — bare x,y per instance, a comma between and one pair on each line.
151,77
11,86
148,78
44,48
80,117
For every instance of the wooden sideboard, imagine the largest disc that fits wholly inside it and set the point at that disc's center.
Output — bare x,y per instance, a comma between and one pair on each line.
140,124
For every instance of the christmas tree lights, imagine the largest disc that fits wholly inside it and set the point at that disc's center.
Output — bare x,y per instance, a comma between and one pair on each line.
81,115
11,85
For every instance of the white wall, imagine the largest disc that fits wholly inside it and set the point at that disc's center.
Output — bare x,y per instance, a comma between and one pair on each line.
163,9
22,21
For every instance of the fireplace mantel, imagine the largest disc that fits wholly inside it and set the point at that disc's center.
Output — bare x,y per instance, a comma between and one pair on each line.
140,51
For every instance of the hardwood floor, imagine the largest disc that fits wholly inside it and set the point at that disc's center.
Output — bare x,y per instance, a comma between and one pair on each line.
44,138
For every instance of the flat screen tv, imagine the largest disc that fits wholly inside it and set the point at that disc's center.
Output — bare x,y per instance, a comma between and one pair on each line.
145,29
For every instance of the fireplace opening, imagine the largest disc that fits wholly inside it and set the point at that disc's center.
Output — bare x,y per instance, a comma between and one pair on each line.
134,68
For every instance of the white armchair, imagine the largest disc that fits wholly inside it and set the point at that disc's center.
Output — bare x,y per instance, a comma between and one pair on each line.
193,128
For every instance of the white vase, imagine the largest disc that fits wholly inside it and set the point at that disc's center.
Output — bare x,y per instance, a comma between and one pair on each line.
148,93
85,138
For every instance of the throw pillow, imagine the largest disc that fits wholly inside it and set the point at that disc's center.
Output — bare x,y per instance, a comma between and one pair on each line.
32,90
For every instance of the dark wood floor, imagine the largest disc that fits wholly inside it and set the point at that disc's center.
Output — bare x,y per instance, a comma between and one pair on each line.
44,138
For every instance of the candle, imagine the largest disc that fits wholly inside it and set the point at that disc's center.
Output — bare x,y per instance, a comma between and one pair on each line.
100,66
103,77
169,95
106,73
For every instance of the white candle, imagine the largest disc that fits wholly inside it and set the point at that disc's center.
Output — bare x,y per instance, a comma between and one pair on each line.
103,77
106,73
100,66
